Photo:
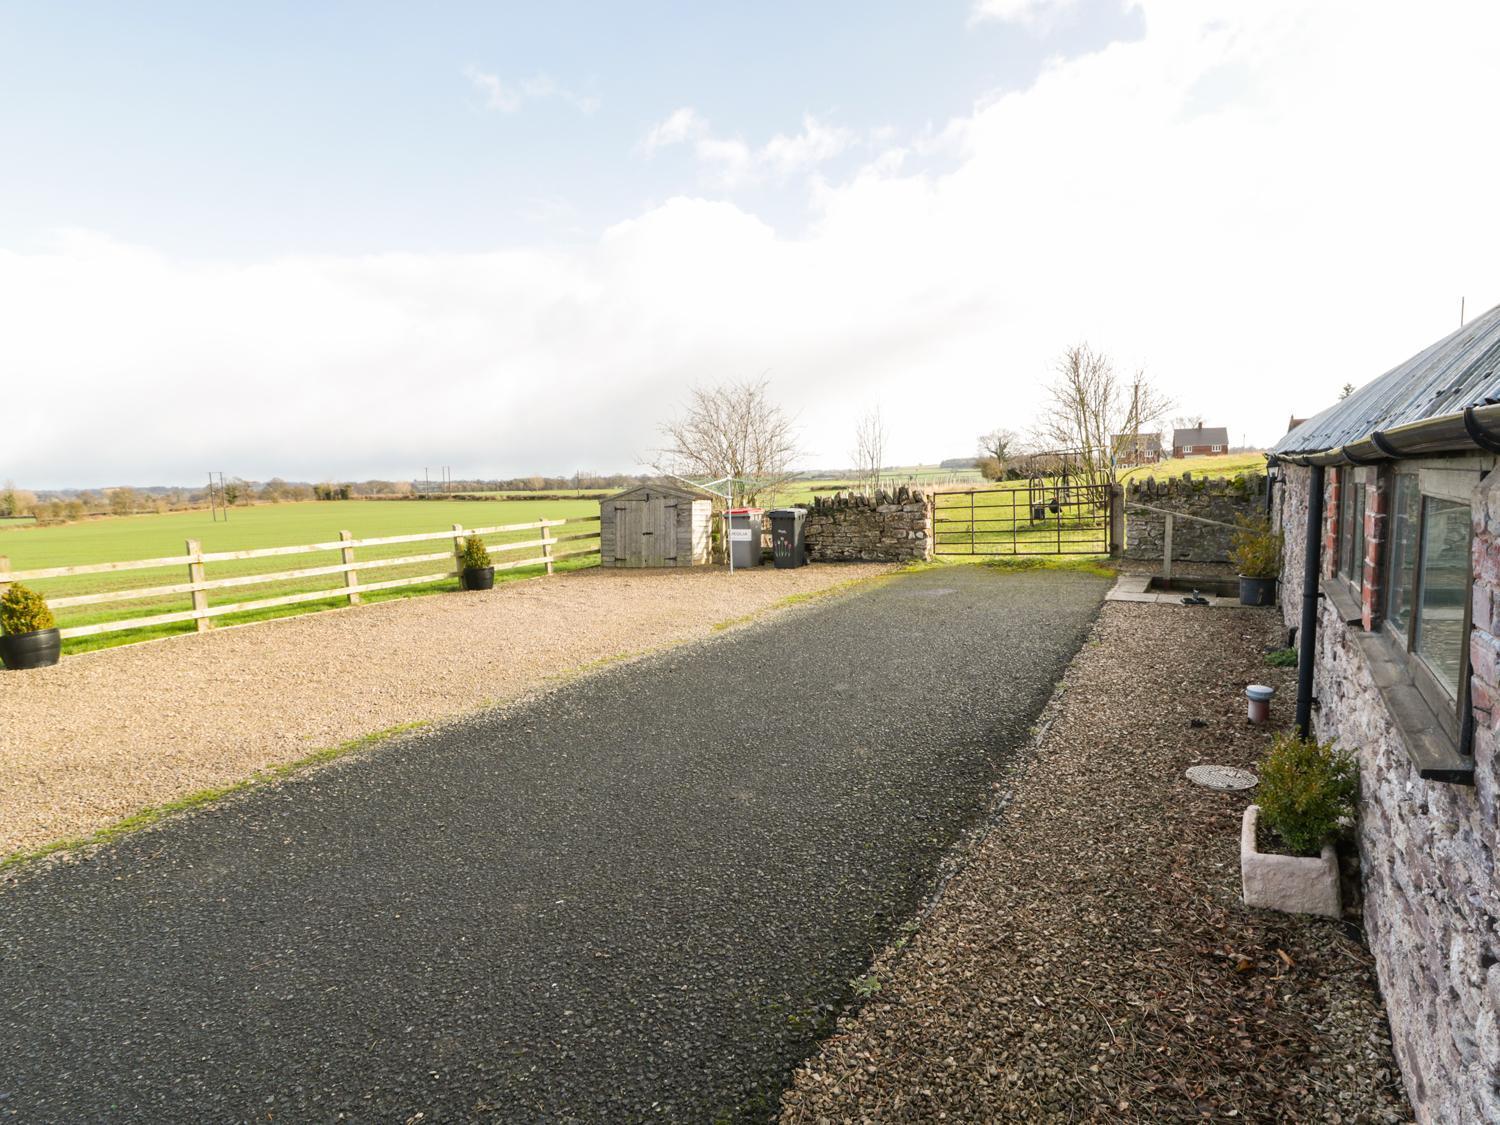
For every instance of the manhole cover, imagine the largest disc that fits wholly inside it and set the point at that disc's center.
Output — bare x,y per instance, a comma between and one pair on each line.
1221,777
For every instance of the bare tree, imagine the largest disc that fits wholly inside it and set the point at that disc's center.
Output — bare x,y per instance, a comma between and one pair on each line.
1188,422
869,450
1001,444
1091,404
731,430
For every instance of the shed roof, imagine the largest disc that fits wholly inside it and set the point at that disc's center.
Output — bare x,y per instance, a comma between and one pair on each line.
668,488
1201,435
1460,370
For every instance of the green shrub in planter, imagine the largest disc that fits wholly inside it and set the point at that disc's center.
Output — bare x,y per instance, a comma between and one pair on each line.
1307,791
1255,549
24,611
476,556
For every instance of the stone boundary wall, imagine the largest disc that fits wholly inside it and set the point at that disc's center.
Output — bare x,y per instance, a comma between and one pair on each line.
887,527
1215,498
1427,849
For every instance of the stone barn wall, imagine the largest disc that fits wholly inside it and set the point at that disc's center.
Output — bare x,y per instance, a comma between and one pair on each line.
1216,498
1427,848
886,527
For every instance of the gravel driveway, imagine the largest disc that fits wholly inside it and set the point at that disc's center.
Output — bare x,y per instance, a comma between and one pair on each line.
106,733
1092,960
642,895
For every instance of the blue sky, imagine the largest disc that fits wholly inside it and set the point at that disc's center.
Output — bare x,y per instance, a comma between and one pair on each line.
332,241
264,129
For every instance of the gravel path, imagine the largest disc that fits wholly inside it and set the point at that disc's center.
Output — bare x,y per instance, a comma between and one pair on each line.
1092,960
106,733
642,895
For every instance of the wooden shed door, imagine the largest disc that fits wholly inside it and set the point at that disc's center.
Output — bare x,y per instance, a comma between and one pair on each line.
629,520
659,532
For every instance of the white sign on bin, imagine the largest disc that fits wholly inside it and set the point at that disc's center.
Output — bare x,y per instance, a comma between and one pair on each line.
739,535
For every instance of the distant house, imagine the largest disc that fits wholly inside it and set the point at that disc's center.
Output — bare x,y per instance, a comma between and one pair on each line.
1200,442
1294,422
1137,449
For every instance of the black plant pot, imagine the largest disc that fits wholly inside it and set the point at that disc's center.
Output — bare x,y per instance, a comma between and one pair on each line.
40,649
1257,591
479,577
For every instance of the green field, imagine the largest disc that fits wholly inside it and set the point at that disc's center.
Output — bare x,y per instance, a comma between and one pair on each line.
1226,466
120,538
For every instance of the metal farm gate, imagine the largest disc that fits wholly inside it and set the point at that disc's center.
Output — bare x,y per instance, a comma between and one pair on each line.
1020,518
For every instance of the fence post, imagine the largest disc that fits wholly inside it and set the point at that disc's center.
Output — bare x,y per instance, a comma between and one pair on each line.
195,576
4,569
458,548
1116,518
1166,553
547,547
351,576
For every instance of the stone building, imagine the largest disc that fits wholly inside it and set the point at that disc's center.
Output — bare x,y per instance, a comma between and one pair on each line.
1391,578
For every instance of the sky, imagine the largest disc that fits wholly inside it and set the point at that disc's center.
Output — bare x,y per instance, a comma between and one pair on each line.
342,241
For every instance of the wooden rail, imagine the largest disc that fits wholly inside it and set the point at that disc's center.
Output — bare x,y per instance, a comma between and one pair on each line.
195,560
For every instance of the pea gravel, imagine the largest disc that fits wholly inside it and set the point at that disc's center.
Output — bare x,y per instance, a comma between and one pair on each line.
641,896
1091,961
106,733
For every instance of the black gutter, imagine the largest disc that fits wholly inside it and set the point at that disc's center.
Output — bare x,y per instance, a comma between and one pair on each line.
1312,565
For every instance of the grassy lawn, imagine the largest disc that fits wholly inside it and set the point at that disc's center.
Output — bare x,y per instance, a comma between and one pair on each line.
113,539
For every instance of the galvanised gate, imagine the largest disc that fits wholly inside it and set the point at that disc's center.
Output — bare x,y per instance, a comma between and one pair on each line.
1027,518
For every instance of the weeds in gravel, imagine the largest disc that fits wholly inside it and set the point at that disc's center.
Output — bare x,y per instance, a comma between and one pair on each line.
1082,565
865,986
155,814
1282,658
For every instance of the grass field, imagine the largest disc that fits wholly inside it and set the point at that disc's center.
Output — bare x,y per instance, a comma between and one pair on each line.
1225,466
119,538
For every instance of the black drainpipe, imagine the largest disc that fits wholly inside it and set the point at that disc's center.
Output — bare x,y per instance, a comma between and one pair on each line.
1307,636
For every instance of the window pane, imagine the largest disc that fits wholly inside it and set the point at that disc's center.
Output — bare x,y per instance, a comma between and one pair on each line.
1401,562
1346,519
1445,572
1357,537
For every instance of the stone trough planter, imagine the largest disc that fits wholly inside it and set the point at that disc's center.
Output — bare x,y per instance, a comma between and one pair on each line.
1289,883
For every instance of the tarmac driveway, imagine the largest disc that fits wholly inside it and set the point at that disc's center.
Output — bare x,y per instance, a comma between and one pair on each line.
641,896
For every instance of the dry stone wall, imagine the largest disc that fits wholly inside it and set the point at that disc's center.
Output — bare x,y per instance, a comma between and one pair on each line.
886,527
1427,848
1217,498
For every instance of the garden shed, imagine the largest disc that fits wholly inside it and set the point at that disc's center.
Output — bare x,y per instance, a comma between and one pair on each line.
660,524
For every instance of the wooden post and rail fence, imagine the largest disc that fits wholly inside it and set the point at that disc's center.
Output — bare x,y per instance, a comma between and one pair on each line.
198,584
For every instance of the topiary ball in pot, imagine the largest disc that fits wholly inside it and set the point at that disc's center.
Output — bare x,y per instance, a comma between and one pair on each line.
28,631
1307,792
478,571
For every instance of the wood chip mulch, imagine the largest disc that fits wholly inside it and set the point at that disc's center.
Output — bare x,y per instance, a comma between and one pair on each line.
1091,959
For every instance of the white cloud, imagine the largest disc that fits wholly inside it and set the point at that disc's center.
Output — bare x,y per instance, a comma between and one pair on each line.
1243,201
509,97
1017,11
681,125
731,162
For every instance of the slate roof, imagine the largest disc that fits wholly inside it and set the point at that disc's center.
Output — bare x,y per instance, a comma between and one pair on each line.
1203,435
1460,370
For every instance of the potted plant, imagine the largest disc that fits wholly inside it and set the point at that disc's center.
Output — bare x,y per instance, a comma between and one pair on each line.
28,632
478,571
1256,550
1306,796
